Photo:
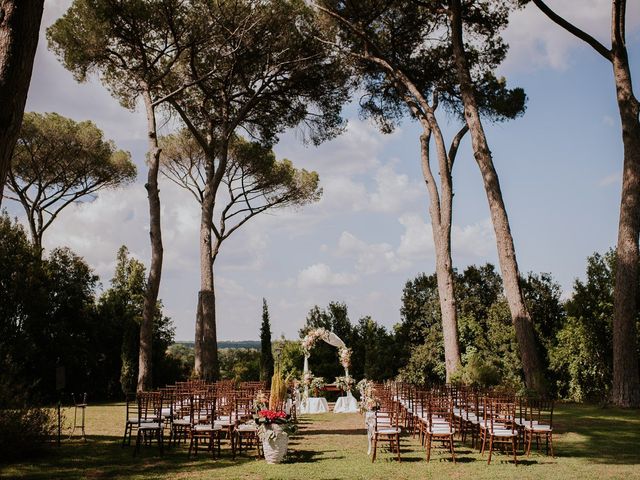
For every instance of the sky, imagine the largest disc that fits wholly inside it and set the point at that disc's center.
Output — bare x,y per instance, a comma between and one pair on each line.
559,165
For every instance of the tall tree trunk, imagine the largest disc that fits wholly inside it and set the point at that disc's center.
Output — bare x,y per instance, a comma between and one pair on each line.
440,212
150,307
523,324
626,376
19,28
206,314
626,382
206,296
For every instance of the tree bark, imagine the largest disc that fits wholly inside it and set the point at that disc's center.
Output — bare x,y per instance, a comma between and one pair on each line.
150,307
440,211
206,296
19,29
626,375
523,324
209,368
626,381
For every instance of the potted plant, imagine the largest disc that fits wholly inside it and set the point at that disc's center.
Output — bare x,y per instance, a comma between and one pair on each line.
274,425
274,428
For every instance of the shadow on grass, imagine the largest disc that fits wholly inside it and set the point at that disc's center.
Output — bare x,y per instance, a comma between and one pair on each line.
104,457
357,431
602,435
306,456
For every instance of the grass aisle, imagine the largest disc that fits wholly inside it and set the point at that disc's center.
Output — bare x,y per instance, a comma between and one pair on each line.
602,444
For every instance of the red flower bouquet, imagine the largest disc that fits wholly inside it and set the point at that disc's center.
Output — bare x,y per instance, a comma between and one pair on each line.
274,417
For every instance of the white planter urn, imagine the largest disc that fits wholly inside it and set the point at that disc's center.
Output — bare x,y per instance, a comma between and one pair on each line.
274,443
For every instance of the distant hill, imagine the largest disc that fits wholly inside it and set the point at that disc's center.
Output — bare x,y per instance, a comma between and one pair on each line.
255,344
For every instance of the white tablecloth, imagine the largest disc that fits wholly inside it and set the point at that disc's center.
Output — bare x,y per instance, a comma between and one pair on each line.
346,404
314,405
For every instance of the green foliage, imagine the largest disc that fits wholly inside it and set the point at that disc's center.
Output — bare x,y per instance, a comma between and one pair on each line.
412,40
291,357
24,432
266,353
477,371
582,358
58,161
425,366
49,318
121,306
181,357
486,333
374,351
239,364
130,45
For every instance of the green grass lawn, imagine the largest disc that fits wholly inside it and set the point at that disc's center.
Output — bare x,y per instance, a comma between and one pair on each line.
592,443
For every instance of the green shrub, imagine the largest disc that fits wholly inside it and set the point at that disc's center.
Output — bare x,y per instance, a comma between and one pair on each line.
24,432
477,371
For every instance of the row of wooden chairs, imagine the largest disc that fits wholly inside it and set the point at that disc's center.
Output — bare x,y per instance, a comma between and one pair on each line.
491,418
205,416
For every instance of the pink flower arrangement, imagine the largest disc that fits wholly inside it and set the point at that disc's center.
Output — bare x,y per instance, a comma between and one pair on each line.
345,357
312,337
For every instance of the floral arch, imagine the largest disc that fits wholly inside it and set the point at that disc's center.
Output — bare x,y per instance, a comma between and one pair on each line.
344,353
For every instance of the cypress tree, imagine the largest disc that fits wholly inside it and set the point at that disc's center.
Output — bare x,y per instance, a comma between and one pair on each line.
266,356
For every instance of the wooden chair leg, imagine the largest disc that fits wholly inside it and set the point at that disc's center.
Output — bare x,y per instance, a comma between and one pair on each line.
490,448
453,453
137,447
428,447
530,439
515,456
124,439
398,446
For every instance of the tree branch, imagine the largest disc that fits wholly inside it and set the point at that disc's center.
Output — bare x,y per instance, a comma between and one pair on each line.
569,27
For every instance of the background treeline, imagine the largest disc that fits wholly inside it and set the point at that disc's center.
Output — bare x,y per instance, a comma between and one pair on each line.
51,315
574,336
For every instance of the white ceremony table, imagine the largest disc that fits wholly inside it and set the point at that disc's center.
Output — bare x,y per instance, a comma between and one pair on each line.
346,404
314,405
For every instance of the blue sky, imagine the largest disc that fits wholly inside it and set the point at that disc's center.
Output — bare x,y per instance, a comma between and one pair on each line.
559,166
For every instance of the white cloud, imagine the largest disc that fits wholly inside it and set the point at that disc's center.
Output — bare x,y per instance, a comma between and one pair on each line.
475,241
394,192
535,41
370,258
320,275
416,242
611,179
343,193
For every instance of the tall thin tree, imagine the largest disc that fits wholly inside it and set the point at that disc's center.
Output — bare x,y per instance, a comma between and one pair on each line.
487,20
626,367
403,68
133,46
266,354
261,87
